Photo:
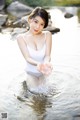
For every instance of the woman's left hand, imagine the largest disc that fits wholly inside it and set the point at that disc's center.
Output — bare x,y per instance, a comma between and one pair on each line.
45,68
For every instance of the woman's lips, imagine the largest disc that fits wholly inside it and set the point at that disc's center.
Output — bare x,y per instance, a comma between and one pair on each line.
36,30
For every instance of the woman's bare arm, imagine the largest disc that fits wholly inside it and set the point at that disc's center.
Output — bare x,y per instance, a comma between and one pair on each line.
48,47
23,47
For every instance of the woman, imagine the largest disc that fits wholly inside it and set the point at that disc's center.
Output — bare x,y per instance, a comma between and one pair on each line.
35,46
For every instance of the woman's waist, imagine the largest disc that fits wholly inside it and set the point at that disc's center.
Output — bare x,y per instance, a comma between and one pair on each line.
31,69
34,74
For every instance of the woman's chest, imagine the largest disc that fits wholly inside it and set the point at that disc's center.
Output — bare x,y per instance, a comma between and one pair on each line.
37,54
36,42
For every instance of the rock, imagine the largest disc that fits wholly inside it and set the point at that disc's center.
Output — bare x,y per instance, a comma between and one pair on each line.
18,9
3,19
52,29
20,23
0,29
9,23
2,4
68,15
17,31
7,30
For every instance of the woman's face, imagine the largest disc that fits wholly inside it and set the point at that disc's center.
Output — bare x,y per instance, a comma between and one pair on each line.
36,25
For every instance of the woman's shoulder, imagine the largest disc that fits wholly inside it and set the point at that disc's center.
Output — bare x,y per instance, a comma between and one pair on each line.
47,32
20,36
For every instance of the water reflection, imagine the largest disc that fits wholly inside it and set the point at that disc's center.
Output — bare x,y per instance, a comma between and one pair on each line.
40,103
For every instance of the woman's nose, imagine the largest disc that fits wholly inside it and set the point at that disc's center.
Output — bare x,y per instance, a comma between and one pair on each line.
38,26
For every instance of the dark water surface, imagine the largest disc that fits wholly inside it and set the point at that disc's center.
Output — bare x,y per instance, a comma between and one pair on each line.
61,96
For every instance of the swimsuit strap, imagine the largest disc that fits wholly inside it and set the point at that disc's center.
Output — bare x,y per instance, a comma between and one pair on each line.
24,38
45,35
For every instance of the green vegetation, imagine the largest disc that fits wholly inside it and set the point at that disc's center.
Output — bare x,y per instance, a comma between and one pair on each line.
8,2
35,3
67,2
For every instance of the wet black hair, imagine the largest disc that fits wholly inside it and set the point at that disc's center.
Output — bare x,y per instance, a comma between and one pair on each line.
38,11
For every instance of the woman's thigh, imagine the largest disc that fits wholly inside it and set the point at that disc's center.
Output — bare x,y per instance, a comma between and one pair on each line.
33,81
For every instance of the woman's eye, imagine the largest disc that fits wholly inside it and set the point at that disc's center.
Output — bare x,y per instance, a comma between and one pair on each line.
35,21
42,24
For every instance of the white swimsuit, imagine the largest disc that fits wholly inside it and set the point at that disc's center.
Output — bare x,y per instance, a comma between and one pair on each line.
37,55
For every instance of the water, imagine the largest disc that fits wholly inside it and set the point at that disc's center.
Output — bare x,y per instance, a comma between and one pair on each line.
61,96
60,104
